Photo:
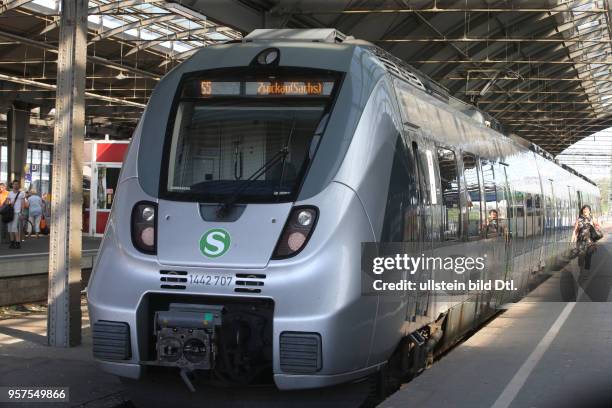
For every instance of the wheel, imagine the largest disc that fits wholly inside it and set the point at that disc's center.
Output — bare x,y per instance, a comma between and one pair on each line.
27,228
380,385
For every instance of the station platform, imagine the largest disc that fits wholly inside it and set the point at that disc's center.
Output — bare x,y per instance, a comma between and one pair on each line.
24,272
26,360
551,349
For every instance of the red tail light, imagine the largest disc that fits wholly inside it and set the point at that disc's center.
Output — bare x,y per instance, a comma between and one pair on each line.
297,232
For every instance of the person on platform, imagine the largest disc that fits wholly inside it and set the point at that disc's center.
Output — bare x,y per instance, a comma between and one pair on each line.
35,207
585,234
3,194
18,199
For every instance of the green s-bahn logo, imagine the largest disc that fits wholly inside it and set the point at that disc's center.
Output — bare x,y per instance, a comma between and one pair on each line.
215,242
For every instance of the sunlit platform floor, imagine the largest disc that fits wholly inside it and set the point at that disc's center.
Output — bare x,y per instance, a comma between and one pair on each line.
26,360
552,349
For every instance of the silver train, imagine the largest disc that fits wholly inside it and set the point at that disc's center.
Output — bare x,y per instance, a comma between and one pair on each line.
259,167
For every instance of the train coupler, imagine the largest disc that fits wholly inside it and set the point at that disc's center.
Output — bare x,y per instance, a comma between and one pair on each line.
185,337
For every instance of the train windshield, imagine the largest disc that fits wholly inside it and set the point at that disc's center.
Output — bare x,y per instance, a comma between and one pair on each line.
251,140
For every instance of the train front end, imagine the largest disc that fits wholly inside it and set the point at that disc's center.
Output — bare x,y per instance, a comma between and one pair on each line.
232,254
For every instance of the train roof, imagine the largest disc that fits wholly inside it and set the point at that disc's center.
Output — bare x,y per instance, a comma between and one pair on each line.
405,72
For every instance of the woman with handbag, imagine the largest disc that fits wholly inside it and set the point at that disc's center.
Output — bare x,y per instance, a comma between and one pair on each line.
586,232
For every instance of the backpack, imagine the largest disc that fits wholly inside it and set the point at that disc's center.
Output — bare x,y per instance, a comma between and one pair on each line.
7,213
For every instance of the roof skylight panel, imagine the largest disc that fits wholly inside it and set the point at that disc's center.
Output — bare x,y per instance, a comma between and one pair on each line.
146,34
218,36
50,4
189,24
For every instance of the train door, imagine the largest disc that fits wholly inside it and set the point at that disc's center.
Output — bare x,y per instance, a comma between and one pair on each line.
418,208
507,226
529,230
449,185
431,199
493,243
551,226
449,243
547,252
423,154
473,209
536,257
519,245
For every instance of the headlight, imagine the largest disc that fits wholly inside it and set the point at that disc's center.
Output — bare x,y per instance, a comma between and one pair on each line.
148,213
305,218
144,224
297,231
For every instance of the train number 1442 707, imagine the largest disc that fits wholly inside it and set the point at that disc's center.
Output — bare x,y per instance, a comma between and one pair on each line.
210,280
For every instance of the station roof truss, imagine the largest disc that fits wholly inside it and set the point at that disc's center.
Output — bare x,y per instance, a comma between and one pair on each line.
131,45
542,68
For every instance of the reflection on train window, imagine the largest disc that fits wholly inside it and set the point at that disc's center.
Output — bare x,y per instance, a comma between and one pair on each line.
529,221
472,183
538,213
108,177
559,212
504,196
450,193
519,213
493,219
400,222
549,221
424,174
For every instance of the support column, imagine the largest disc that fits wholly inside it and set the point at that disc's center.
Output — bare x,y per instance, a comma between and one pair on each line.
64,315
18,126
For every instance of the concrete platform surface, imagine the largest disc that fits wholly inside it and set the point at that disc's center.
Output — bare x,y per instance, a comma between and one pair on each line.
553,349
26,360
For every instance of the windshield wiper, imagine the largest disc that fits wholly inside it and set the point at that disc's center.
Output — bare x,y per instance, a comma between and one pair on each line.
231,200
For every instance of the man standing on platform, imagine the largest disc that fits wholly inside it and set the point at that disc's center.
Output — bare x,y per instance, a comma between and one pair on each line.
18,199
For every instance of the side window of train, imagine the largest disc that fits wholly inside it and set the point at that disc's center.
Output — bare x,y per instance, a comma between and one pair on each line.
492,224
449,183
472,183
400,221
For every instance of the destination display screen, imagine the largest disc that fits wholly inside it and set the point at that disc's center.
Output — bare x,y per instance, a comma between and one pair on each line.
285,88
266,87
